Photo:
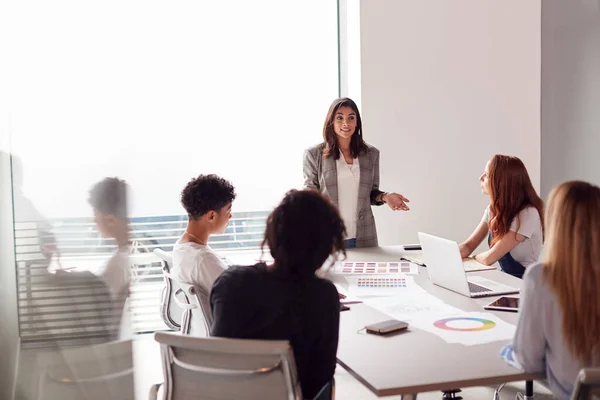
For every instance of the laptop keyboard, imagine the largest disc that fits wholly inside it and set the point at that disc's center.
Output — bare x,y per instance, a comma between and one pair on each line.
475,288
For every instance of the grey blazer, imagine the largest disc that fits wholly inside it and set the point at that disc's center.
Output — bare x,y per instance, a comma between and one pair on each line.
321,174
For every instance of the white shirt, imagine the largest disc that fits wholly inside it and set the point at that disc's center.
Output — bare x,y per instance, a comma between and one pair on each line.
348,179
196,264
529,225
116,274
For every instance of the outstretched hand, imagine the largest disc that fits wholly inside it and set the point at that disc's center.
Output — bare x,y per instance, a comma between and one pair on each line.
396,201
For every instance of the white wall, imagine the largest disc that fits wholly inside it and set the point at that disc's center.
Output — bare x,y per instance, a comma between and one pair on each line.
570,91
445,85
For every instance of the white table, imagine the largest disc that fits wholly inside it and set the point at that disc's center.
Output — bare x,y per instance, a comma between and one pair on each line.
417,361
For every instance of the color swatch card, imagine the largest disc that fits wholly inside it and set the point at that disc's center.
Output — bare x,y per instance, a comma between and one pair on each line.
382,285
375,282
375,267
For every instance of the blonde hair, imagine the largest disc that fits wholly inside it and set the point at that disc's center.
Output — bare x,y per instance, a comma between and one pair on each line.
572,264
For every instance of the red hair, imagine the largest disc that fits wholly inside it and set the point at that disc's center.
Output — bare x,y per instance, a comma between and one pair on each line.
511,192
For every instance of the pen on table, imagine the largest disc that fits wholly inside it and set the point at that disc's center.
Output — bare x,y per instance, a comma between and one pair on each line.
412,261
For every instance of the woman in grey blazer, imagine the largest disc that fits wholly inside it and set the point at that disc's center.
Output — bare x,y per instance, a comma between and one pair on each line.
346,169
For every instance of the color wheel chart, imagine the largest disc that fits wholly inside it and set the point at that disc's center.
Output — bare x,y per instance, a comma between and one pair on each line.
465,324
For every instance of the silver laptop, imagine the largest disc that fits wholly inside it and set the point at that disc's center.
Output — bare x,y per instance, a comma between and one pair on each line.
445,268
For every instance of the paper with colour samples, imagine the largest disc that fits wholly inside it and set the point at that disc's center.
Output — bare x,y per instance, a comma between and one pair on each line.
382,285
376,267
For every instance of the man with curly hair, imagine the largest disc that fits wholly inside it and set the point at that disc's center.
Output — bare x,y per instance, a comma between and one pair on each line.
207,200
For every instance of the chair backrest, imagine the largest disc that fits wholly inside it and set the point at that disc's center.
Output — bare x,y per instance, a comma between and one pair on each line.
103,371
587,385
200,319
69,308
171,314
216,368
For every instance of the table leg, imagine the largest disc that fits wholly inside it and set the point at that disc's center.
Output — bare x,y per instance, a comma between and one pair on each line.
408,396
529,390
451,394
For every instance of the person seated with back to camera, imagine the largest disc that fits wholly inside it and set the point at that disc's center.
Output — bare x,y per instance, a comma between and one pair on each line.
558,332
287,300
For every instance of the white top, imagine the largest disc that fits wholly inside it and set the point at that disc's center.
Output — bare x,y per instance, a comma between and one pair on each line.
348,179
196,264
116,274
528,224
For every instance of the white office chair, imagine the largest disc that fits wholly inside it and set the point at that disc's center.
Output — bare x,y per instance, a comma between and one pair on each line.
198,317
103,371
171,314
216,368
587,385
71,308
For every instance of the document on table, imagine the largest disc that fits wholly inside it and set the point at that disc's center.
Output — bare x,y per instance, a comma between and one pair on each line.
382,285
375,268
428,313
345,297
417,310
471,328
472,265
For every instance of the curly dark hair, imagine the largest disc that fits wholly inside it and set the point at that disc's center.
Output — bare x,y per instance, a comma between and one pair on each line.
302,231
206,193
109,196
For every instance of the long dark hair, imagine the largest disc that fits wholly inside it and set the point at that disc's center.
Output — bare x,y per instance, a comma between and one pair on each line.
511,192
302,231
357,144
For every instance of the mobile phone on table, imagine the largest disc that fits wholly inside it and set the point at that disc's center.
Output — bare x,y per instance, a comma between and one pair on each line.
409,247
504,303
388,326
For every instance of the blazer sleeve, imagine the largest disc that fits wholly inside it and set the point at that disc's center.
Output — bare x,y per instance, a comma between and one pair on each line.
311,169
375,189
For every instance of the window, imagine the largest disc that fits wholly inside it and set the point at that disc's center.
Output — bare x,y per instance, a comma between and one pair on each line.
155,94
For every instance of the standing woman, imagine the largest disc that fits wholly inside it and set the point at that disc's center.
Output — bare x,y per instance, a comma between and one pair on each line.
346,169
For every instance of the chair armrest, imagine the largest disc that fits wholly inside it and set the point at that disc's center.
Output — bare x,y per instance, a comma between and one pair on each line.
185,306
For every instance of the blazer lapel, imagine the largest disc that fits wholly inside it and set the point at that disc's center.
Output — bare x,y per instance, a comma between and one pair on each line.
330,178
